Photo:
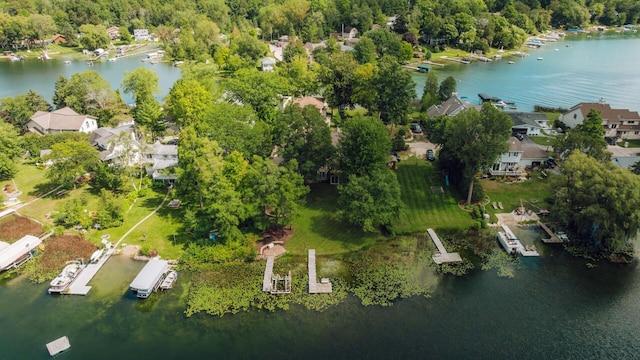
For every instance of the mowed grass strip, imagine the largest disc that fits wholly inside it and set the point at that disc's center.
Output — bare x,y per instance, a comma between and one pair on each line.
536,193
316,226
424,208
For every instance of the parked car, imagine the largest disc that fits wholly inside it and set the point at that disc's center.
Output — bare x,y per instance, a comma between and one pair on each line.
431,156
550,163
519,136
415,128
611,140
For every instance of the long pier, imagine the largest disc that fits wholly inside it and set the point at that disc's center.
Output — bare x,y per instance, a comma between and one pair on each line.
554,238
315,287
79,284
268,274
442,256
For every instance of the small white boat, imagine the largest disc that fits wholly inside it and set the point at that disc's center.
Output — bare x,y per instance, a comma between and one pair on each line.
68,274
90,63
511,62
540,58
95,257
67,62
169,280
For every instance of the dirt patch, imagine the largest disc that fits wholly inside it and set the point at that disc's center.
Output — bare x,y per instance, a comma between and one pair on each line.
270,236
60,249
14,227
129,250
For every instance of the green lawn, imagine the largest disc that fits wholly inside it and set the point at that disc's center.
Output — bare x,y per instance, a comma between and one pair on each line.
423,208
633,143
542,140
538,188
317,228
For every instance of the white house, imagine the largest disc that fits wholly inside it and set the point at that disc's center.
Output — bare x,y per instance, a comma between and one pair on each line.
118,145
617,123
528,123
161,159
519,157
141,34
349,33
268,64
61,120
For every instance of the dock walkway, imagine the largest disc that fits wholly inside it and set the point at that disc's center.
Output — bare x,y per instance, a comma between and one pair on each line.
554,238
442,256
79,285
316,287
268,274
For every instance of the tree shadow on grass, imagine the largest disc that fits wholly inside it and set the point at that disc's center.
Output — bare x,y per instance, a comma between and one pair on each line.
46,188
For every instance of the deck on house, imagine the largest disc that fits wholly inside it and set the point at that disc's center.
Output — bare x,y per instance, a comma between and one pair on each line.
442,256
316,287
59,345
79,285
268,274
554,238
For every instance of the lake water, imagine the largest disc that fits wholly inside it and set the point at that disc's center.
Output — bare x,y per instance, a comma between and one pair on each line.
604,66
556,306
19,76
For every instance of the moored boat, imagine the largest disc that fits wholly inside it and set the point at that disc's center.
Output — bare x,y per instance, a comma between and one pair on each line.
64,279
169,280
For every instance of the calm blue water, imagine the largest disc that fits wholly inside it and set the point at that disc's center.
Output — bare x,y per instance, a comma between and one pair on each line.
20,76
590,69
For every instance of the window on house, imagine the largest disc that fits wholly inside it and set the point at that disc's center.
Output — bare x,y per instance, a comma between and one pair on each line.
575,116
636,133
613,126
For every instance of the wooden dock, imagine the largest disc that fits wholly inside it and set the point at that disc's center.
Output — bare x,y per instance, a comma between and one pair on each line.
442,256
554,238
268,274
58,346
79,284
315,287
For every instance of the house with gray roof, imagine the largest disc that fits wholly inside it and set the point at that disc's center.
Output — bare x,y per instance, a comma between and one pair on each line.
268,64
59,121
118,145
528,123
519,157
161,160
451,107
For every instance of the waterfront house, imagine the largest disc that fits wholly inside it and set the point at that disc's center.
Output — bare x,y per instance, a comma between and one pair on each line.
268,64
118,145
528,123
58,39
617,123
519,157
113,33
141,34
451,107
61,120
161,160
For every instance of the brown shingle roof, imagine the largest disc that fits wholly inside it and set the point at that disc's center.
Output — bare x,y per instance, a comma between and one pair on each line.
310,100
607,113
61,119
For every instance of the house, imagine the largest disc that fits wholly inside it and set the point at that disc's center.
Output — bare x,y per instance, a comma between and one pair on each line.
61,120
528,123
391,20
451,107
113,33
58,39
117,145
318,102
617,123
268,64
141,34
519,157
161,161
349,33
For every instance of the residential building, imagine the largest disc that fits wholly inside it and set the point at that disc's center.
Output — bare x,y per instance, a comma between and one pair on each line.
318,102
451,107
61,120
113,32
161,160
268,64
118,145
528,123
519,157
349,33
617,123
141,34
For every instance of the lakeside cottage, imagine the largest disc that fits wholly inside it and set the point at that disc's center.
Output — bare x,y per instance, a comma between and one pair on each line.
519,157
451,107
117,145
528,123
161,160
617,123
61,120
268,64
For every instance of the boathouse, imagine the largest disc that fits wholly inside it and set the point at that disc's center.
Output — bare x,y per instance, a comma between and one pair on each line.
16,254
148,279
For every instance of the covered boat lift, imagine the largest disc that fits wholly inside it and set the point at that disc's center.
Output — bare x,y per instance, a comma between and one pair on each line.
149,278
18,253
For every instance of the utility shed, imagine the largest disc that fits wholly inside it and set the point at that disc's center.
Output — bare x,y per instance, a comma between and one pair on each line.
149,277
18,252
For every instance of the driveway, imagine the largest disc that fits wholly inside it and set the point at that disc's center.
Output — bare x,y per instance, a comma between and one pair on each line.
622,151
419,148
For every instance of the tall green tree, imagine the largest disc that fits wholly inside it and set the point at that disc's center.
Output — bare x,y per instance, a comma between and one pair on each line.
430,92
600,202
475,140
19,109
447,88
71,159
337,77
258,89
142,83
587,137
188,102
364,146
10,149
396,89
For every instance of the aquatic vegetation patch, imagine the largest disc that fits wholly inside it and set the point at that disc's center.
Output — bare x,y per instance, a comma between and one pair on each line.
13,227
58,250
